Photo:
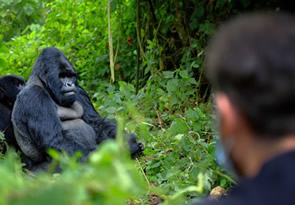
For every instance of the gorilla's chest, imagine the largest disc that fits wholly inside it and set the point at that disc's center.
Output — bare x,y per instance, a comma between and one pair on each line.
74,127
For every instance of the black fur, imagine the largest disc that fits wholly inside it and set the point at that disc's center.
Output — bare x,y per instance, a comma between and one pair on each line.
10,86
53,87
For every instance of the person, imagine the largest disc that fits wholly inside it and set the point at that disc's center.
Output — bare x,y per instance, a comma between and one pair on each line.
251,64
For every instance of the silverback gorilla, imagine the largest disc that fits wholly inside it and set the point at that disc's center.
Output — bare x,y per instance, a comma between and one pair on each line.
10,86
53,111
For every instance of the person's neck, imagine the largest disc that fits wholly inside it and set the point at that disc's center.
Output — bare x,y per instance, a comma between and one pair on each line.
261,151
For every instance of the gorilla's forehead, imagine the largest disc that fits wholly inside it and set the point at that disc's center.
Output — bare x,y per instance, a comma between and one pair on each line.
51,51
65,65
54,61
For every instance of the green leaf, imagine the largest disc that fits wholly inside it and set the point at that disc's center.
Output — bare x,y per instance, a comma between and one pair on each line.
3,63
179,137
172,85
111,110
3,48
191,114
223,182
178,127
168,74
184,74
29,9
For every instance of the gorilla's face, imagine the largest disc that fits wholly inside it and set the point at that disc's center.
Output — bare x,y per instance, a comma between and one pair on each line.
64,89
58,76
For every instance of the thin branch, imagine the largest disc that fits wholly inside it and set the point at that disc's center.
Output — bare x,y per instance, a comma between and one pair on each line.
154,18
142,52
144,175
111,43
138,48
118,38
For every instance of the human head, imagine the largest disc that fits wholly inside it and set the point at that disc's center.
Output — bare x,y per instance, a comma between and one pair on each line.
251,65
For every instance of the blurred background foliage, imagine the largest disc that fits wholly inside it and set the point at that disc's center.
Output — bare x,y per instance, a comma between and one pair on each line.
160,93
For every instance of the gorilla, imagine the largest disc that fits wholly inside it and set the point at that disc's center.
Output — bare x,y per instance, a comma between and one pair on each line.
10,86
53,111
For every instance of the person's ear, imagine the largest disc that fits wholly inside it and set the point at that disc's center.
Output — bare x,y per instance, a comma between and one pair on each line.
228,115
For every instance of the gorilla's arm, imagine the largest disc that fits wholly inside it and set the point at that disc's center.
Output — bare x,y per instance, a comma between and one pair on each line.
104,128
5,117
7,128
38,121
10,86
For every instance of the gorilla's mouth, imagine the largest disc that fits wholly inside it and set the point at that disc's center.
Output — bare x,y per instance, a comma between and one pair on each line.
68,90
69,93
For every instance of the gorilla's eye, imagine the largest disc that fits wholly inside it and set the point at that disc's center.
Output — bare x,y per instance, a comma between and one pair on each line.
62,75
67,75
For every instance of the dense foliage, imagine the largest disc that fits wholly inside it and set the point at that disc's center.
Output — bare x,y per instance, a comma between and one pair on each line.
159,93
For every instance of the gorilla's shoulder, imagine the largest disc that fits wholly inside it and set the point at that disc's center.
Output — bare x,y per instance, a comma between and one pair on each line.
31,93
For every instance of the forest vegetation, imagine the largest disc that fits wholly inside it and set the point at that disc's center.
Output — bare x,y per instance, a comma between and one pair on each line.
142,63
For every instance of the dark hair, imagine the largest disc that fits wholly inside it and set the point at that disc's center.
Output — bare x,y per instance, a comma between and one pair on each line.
252,60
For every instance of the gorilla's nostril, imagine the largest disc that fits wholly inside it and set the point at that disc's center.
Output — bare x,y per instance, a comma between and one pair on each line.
69,84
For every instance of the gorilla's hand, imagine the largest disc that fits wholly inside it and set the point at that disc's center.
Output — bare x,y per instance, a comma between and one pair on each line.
136,148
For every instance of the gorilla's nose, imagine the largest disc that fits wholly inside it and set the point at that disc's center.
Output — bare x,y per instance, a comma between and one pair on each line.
68,84
69,87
